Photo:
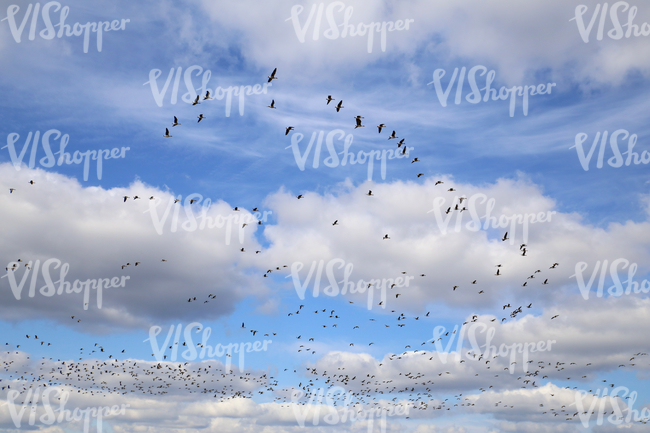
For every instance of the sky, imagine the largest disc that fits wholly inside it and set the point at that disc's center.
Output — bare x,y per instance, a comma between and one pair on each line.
267,258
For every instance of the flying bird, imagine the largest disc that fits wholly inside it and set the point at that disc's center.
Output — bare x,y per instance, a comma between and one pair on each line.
289,128
272,76
272,104
339,106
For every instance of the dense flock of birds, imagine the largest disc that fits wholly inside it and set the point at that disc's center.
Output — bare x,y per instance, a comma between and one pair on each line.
374,388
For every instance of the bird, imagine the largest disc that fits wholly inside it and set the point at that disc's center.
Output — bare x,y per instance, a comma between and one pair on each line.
289,128
207,95
438,183
545,281
31,182
554,265
415,160
359,125
299,196
393,136
386,236
167,133
339,106
196,101
369,192
335,223
505,237
329,99
272,104
242,325
557,315
11,190
125,197
399,143
420,174
272,76
200,118
380,126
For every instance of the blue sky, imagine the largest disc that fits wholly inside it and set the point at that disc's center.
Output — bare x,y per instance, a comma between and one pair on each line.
239,156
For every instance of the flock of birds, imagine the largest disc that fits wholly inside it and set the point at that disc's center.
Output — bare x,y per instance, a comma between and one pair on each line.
373,389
